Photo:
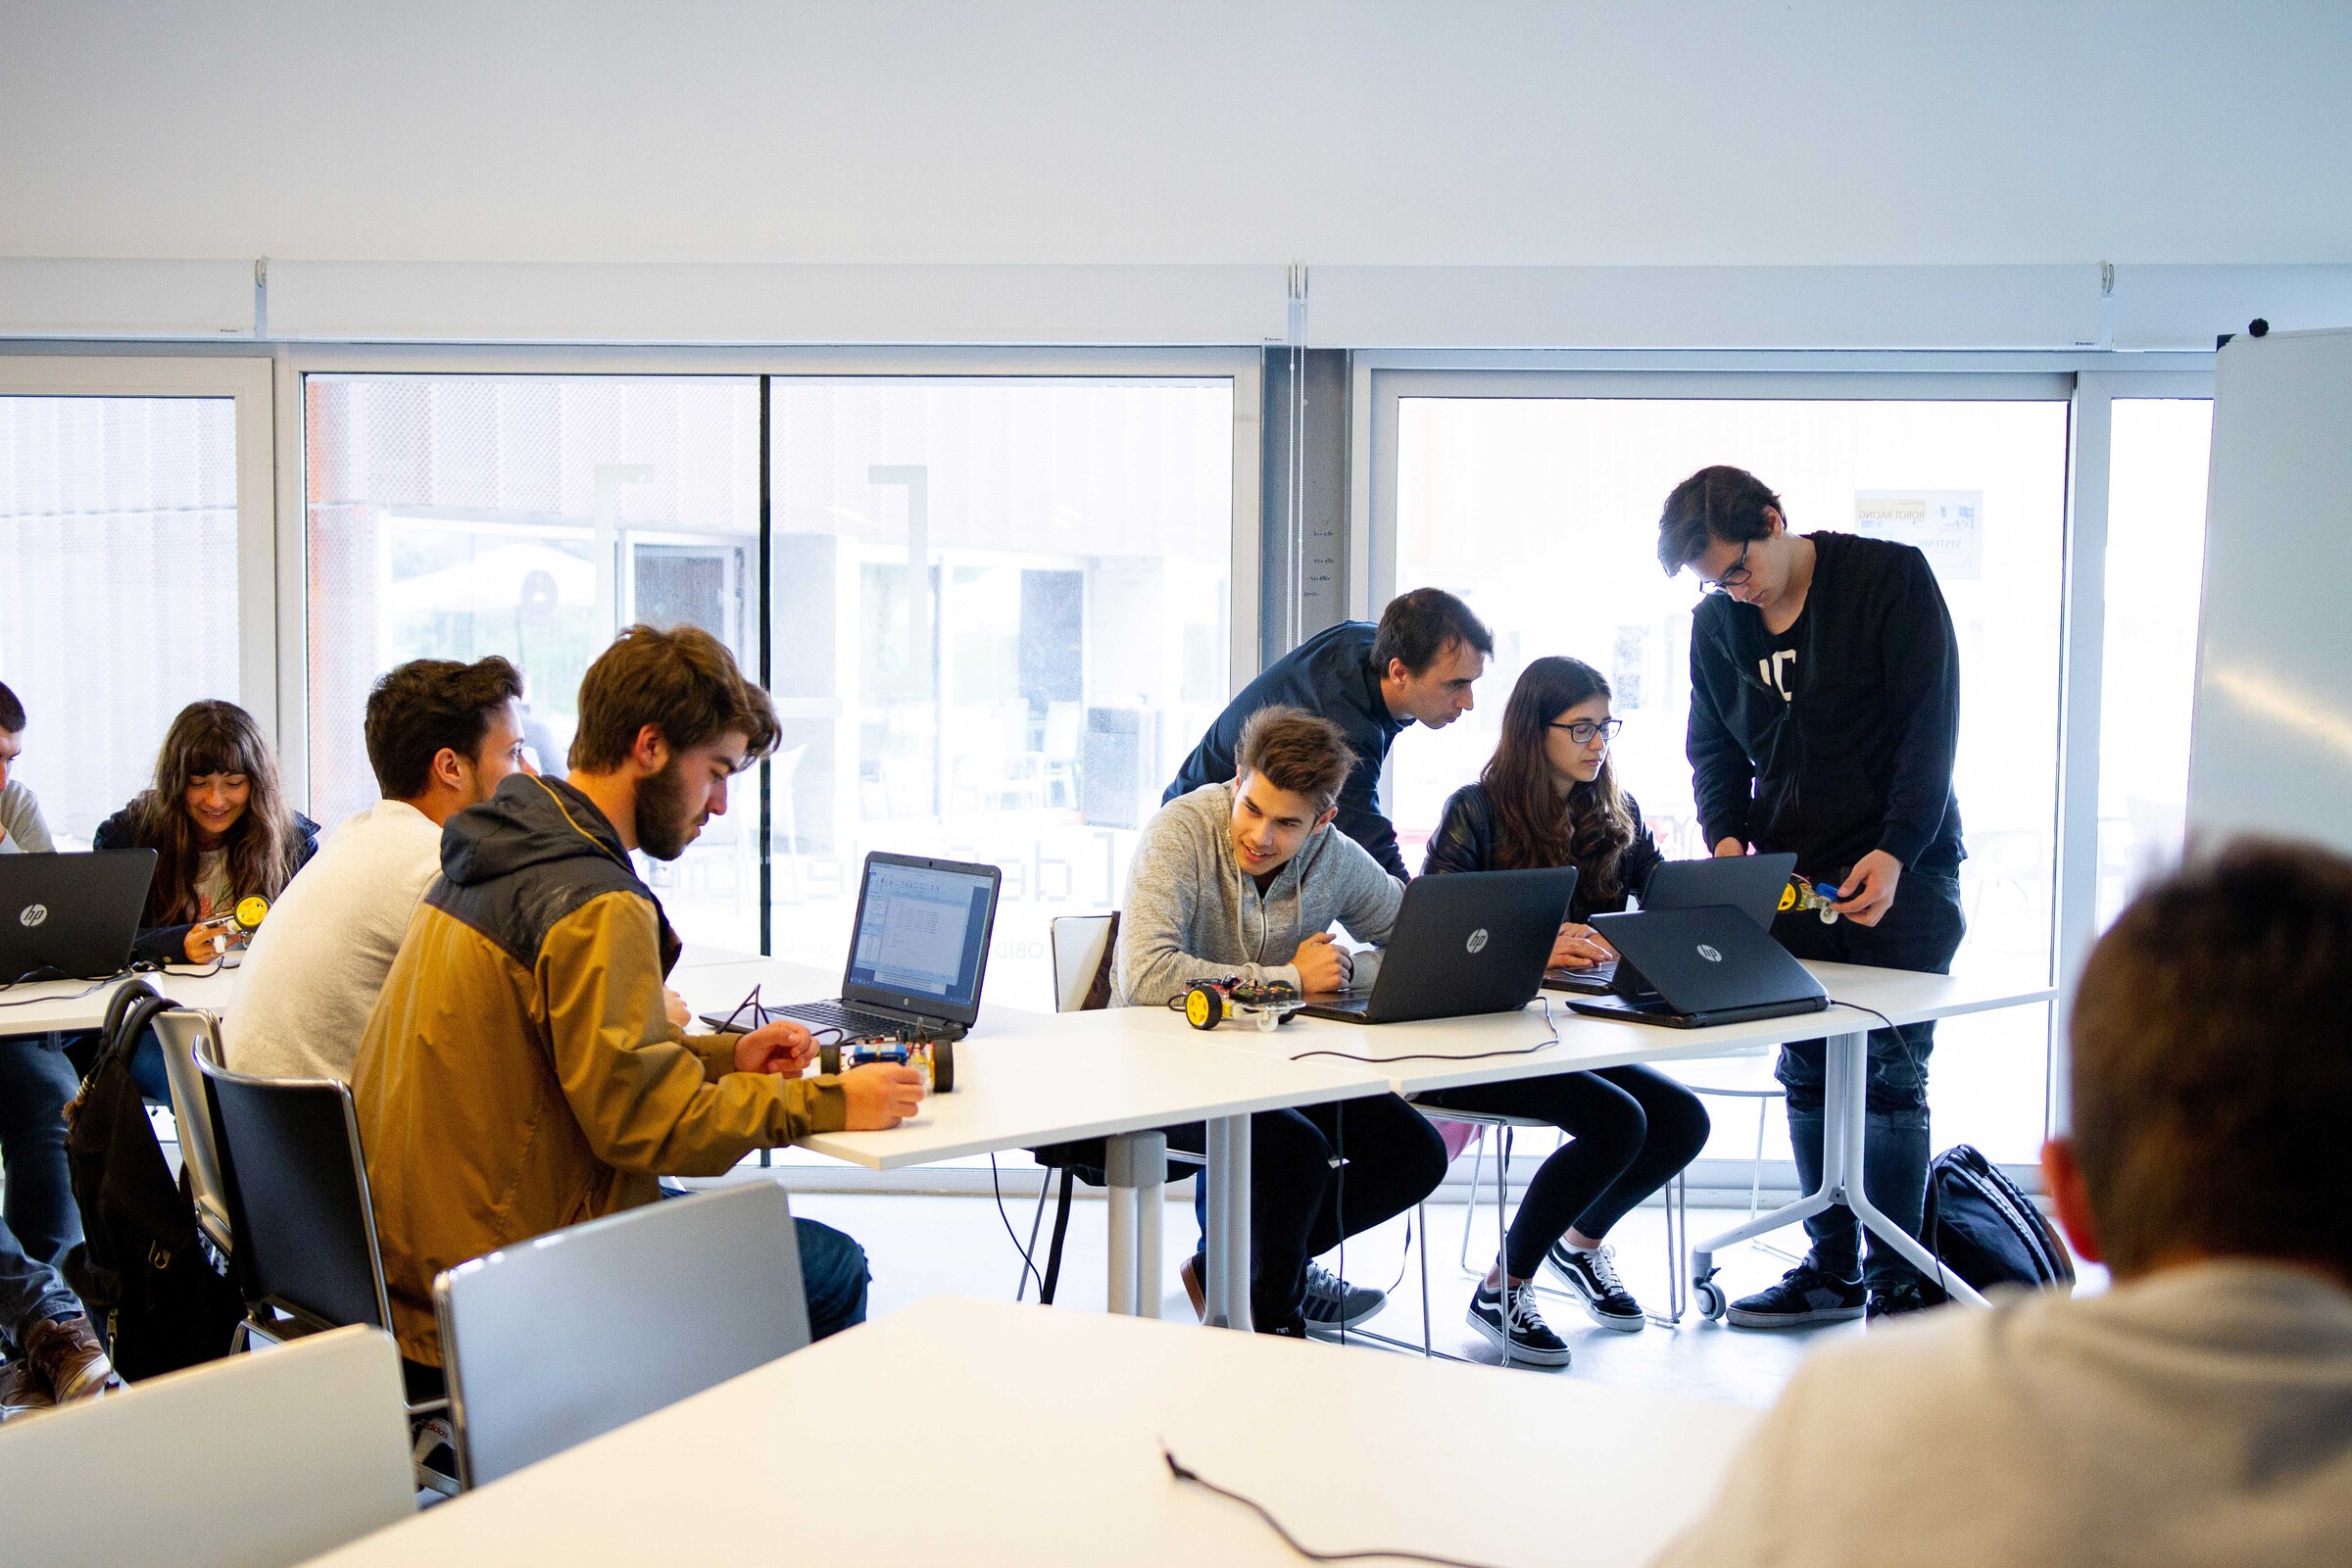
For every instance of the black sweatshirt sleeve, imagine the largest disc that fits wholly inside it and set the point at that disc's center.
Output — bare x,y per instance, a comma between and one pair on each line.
1723,776
1360,819
1923,703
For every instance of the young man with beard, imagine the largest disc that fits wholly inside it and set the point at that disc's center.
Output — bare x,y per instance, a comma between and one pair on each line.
441,736
520,1072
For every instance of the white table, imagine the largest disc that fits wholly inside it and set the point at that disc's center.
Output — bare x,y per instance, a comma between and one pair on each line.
1025,1079
76,1005
978,1434
1446,1054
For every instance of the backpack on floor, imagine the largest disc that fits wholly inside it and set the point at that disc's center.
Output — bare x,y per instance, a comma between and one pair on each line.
155,1291
1987,1231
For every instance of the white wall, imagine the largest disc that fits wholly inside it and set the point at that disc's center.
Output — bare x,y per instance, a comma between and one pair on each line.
1825,132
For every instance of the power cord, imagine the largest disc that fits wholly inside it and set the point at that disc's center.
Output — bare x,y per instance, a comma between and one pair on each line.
1549,1023
1184,1473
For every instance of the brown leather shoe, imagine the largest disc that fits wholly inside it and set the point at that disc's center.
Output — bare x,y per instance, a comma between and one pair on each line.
21,1390
67,1355
1195,1290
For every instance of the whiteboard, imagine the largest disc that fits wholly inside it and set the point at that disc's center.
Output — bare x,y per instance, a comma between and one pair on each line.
2271,740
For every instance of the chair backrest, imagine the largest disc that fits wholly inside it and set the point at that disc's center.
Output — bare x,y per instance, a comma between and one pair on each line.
551,1342
301,1223
188,1033
1080,950
258,1461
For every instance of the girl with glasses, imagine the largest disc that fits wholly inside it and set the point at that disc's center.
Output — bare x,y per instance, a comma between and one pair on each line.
1549,797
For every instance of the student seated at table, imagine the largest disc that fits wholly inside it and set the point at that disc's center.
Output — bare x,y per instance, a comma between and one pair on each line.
42,1319
2198,1412
1548,797
440,737
520,1072
22,828
217,819
1245,878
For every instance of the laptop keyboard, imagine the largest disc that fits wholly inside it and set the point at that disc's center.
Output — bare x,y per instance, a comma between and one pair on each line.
833,1016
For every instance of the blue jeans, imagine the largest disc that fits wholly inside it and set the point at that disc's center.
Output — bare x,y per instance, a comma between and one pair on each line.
1920,932
40,1220
833,1273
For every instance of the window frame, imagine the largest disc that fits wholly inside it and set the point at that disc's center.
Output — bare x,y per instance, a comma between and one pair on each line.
246,380
2087,382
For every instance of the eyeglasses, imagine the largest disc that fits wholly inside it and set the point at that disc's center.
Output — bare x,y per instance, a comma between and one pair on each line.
1734,575
1584,730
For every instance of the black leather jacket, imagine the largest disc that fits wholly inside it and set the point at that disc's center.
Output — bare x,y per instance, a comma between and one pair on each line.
1465,842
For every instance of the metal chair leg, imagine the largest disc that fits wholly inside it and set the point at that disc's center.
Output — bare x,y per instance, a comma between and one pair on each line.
1421,1225
1477,1155
1503,1234
1020,1291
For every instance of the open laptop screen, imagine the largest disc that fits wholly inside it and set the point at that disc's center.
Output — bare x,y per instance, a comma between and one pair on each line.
922,935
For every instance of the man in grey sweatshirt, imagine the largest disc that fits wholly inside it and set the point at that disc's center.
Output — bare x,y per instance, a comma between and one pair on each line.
1245,879
2200,1411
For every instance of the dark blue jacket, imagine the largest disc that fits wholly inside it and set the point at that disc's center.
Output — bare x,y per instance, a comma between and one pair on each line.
1330,675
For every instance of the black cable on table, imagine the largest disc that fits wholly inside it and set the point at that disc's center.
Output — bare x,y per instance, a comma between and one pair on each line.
1184,1472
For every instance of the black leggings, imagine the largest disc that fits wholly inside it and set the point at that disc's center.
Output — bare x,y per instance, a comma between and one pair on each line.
1629,1130
1300,1206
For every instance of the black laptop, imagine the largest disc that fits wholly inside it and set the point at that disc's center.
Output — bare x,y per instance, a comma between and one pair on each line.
1470,942
917,955
71,916
1689,968
1751,882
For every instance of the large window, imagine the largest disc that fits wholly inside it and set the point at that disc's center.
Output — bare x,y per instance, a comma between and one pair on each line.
1000,618
999,609
118,586
2155,555
1543,512
455,516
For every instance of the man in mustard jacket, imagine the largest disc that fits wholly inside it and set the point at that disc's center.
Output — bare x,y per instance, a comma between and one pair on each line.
520,1072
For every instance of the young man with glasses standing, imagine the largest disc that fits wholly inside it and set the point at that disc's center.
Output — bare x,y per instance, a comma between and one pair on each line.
1825,715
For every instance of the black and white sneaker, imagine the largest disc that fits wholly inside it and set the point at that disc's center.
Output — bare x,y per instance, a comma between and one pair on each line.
1804,1297
1527,1339
1592,1276
1333,1304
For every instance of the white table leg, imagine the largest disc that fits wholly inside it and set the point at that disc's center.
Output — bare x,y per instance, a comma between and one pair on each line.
1846,1106
1150,1152
1228,1282
1122,1168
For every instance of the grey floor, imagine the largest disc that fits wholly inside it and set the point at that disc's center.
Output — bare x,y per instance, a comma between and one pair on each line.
929,1245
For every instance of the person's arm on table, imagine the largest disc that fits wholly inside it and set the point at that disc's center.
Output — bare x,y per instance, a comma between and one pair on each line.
645,1099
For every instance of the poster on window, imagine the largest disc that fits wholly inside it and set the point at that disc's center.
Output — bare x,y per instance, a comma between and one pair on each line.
1947,525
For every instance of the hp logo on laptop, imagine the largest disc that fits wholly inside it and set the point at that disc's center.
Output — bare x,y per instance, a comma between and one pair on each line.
1709,953
1478,940
32,914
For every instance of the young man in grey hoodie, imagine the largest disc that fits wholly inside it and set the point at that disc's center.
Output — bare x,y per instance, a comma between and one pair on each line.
1245,879
2199,1411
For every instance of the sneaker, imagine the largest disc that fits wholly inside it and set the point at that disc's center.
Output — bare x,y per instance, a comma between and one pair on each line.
1594,1277
1196,1288
1520,1333
1333,1304
1804,1297
1894,1300
21,1390
66,1354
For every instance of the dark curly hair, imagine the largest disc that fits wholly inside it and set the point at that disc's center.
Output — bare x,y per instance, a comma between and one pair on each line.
1533,827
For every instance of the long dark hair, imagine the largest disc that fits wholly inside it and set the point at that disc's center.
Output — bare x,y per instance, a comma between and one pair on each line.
1533,825
214,737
